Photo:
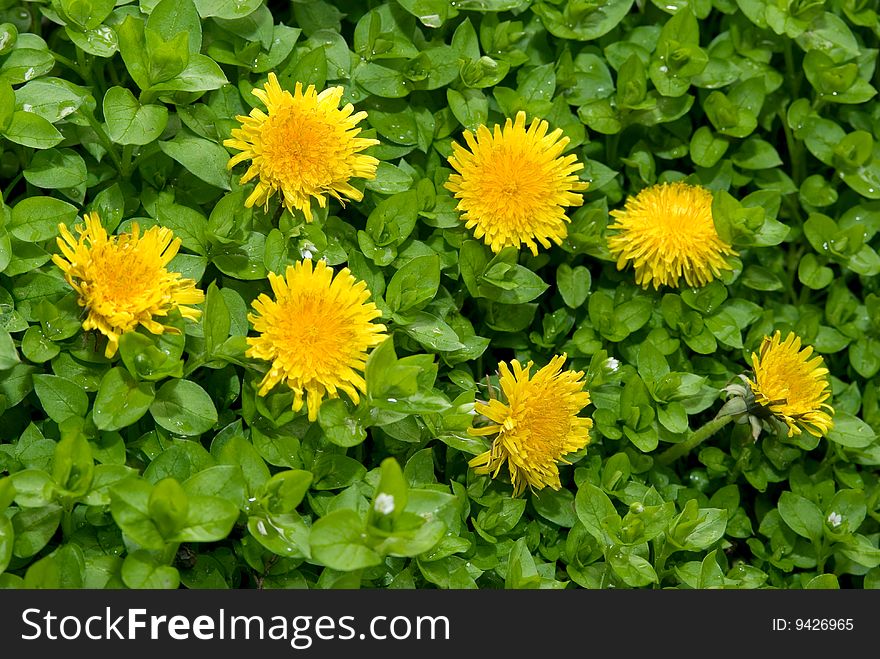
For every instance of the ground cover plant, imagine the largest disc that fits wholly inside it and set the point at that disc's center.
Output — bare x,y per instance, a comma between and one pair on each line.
429,294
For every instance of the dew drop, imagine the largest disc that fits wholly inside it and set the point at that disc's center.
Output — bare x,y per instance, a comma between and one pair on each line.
431,20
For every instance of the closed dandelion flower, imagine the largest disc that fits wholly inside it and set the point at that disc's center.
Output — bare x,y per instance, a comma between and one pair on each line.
537,425
315,333
666,231
122,281
791,386
304,146
513,184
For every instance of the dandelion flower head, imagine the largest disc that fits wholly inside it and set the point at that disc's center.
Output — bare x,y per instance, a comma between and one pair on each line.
667,233
536,426
303,147
513,184
122,281
315,333
792,386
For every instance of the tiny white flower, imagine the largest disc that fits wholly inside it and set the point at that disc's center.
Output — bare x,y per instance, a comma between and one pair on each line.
384,504
612,364
308,249
835,519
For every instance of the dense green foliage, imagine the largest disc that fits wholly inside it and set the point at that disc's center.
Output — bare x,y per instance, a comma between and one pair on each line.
162,467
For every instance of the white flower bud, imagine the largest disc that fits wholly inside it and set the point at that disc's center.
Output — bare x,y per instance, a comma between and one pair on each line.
384,504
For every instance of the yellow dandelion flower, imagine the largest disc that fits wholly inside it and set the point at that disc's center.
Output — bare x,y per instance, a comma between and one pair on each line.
536,427
666,231
122,281
513,185
316,333
791,386
303,146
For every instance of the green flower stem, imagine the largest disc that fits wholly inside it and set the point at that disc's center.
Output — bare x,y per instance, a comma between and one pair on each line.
9,188
661,553
685,447
145,98
611,148
105,141
742,460
67,524
69,63
193,364
127,159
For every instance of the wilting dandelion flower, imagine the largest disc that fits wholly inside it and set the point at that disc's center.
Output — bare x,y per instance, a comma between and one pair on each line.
666,231
791,386
303,146
316,333
537,426
513,184
122,281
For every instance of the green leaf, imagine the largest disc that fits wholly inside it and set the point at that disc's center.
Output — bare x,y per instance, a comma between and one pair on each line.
24,63
73,466
121,400
206,160
285,490
593,508
433,333
141,570
558,506
414,284
333,471
172,17
582,21
801,515
390,497
184,408
851,431
227,9
33,528
470,107
7,541
129,122
61,398
573,284
216,320
706,148
200,75
209,519
8,354
54,169
33,487
35,219
755,153
337,541
130,507
224,481
340,426
7,104
697,529
823,582
87,14
635,570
